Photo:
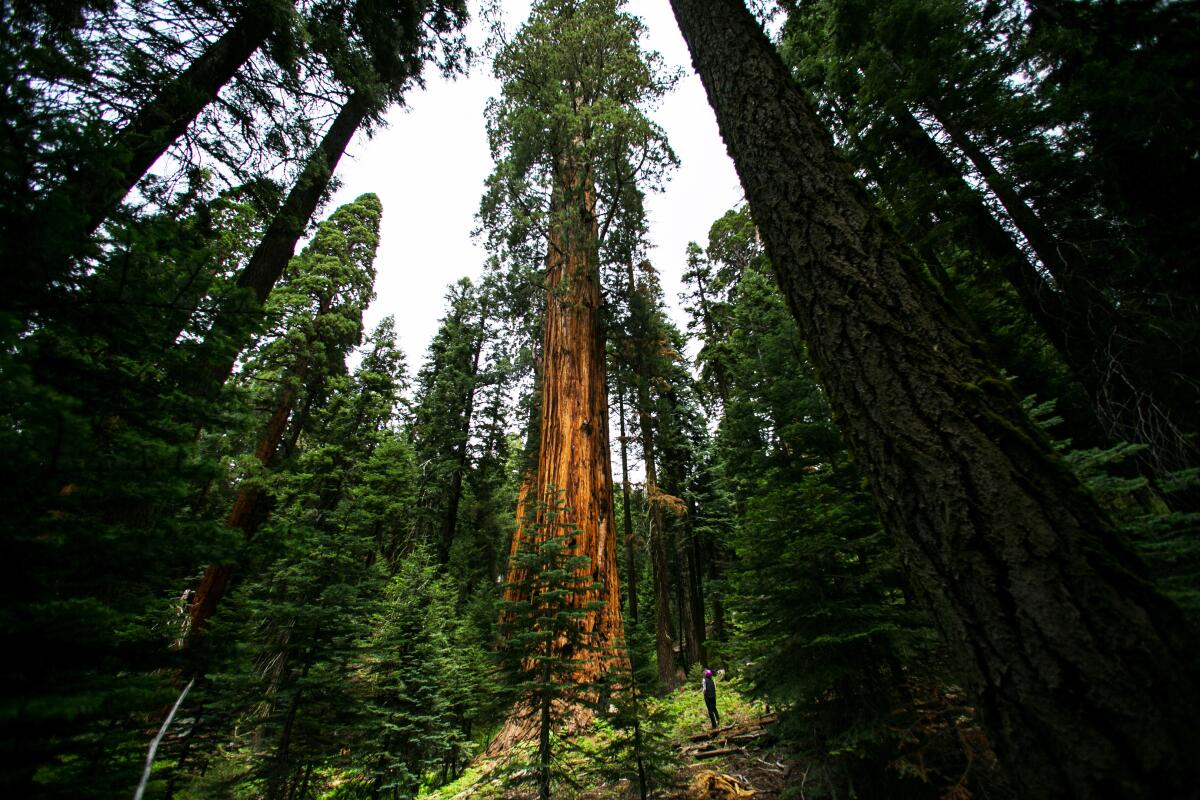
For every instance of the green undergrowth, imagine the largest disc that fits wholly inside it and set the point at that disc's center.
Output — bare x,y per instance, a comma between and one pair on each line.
576,758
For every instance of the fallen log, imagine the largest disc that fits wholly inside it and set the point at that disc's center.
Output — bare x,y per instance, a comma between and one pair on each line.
720,751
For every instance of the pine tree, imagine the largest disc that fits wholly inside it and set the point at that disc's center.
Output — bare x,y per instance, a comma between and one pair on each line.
320,319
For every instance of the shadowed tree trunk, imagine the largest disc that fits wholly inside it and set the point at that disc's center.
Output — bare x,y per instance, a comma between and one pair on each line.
231,330
450,520
660,571
1117,359
1082,672
627,513
243,516
71,213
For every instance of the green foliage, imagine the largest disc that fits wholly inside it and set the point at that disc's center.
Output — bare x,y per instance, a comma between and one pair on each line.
544,642
822,624
1150,514
631,738
100,472
577,89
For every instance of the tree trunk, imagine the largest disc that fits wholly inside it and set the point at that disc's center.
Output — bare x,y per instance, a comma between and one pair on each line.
450,521
664,644
691,593
244,517
1115,357
627,513
231,329
71,213
1081,671
574,473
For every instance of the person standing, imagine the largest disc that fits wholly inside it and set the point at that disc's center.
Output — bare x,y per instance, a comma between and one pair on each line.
710,698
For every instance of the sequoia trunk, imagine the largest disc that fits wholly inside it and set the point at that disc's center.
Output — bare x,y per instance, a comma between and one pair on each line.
574,473
1081,671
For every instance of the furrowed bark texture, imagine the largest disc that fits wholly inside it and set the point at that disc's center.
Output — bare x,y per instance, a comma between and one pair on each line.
1083,674
574,471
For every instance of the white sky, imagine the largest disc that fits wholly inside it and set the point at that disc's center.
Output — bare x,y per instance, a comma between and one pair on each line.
429,164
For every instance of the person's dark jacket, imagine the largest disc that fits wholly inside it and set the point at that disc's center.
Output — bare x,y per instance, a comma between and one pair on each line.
710,687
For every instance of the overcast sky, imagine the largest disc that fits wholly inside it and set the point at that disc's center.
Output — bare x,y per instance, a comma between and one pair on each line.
429,164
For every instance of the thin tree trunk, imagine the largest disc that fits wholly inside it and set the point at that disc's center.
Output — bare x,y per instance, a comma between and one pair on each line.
695,590
244,517
1115,357
544,723
664,644
285,742
231,329
1082,672
450,521
65,221
627,513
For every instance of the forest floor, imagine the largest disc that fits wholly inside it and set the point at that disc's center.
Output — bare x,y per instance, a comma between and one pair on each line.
739,760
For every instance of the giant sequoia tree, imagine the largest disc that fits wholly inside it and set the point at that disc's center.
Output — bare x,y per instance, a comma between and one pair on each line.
1082,671
572,144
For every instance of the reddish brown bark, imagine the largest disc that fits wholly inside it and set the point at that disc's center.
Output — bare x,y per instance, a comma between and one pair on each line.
574,474
243,516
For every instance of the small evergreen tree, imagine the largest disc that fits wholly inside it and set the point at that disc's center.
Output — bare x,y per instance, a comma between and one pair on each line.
545,642
639,748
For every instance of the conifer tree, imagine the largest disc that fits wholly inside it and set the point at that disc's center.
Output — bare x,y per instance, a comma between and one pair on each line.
320,319
1014,574
572,144
547,641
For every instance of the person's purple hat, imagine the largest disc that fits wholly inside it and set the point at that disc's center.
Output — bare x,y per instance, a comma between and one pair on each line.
708,673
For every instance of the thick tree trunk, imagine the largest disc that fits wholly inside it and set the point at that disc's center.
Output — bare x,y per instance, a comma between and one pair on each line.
72,212
1082,672
574,473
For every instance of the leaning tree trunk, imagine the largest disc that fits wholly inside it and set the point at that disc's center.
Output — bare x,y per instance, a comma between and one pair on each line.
574,474
1083,673
1115,357
231,330
244,516
71,213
